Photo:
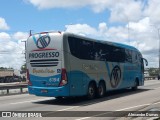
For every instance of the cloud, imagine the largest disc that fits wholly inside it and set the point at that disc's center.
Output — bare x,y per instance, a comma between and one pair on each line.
41,4
115,34
79,29
126,10
20,35
103,27
141,26
12,49
153,11
3,24
4,36
120,11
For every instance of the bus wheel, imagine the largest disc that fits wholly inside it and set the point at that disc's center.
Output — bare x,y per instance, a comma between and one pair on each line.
135,85
91,91
101,89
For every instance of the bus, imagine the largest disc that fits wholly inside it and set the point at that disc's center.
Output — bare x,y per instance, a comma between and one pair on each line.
62,64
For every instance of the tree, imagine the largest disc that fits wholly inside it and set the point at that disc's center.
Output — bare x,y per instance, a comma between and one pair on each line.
23,69
153,71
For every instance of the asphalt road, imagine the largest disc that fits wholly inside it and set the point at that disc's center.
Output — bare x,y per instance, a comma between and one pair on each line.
146,98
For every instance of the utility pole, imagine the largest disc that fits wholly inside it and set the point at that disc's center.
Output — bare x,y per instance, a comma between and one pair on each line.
128,33
158,29
25,48
30,32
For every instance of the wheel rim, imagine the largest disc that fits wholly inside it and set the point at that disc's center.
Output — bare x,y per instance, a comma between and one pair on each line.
101,91
91,91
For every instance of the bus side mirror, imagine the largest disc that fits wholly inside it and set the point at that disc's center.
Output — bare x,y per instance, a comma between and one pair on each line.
145,61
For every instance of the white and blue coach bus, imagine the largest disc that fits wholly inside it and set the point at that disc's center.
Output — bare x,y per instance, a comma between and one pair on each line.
61,64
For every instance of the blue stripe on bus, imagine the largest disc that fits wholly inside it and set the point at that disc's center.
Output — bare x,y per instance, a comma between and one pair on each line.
34,39
108,69
74,78
38,81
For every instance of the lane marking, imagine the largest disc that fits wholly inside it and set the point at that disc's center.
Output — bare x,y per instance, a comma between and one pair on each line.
13,96
156,103
52,112
92,116
30,101
133,107
36,100
68,108
83,118
157,88
152,118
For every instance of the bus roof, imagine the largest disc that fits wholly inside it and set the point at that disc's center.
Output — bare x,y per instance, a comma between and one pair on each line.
91,39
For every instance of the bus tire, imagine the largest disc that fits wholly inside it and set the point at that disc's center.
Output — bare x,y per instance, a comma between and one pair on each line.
91,91
135,87
101,91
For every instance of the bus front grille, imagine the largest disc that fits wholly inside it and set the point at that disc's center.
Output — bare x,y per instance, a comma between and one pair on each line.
44,63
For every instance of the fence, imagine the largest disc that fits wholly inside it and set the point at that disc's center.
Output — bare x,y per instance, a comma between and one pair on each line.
151,78
9,87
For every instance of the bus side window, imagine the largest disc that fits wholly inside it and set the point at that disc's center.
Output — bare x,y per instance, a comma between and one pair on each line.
128,56
101,52
82,49
118,54
87,50
135,59
74,46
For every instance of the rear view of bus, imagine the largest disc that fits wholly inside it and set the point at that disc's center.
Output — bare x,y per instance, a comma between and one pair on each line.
45,68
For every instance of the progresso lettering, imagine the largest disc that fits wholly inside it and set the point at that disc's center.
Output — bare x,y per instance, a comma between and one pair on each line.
44,55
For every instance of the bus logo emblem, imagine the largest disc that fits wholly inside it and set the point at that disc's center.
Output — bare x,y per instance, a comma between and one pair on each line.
43,42
115,76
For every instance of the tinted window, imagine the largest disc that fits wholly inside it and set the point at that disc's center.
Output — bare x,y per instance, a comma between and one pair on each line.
82,49
128,56
102,52
110,53
135,57
90,50
118,54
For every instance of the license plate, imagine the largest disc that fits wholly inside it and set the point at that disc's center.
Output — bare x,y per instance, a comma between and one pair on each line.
44,91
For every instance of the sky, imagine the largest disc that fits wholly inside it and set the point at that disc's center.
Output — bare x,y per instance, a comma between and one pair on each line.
132,22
